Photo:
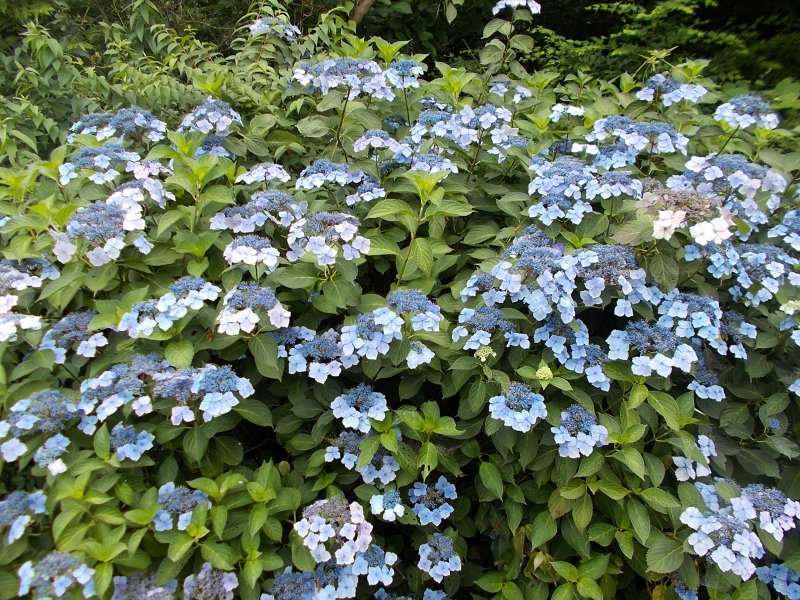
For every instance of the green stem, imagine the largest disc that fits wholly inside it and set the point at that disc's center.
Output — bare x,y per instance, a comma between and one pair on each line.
339,128
735,131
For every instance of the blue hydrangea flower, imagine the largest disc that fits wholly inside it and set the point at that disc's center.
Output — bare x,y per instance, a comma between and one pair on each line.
358,406
54,575
404,73
133,122
213,116
333,524
72,329
210,584
49,454
130,443
376,564
358,75
388,505
426,316
100,160
745,110
142,585
318,233
277,27
430,501
438,557
176,500
669,90
783,580
578,433
321,355
278,207
382,466
519,408
418,355
653,137
17,510
485,321
239,308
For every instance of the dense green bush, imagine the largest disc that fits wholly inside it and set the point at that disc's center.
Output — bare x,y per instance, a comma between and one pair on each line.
309,304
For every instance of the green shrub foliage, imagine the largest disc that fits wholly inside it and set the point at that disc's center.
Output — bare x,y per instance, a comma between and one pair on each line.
326,323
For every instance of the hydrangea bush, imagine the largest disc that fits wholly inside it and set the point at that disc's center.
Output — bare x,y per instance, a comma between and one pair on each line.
413,333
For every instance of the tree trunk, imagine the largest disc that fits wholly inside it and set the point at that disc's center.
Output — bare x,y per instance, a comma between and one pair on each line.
360,9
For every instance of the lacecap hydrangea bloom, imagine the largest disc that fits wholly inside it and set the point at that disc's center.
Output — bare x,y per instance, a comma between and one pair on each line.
376,564
240,306
54,575
210,584
336,525
438,557
358,406
579,434
130,443
347,447
784,581
141,585
72,329
430,501
278,207
745,110
176,501
669,90
388,505
17,509
519,407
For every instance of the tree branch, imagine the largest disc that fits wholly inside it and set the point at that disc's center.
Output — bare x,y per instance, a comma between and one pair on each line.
360,9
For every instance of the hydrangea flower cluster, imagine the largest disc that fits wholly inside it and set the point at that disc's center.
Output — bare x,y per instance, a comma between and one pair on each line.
358,75
784,581
11,323
559,110
388,505
775,512
72,329
277,27
239,308
438,557
485,321
213,386
252,250
426,316
54,575
376,138
369,190
118,386
211,117
45,412
403,74
519,408
636,137
676,209
101,224
278,207
669,90
319,231
127,122
17,276
264,172
358,406
210,584
317,173
578,433
176,500
370,336
376,564
788,230
130,443
141,585
430,501
186,293
18,509
382,465
332,524
745,110
327,582
100,160
323,351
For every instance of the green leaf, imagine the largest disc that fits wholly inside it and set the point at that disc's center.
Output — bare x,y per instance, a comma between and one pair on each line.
180,354
659,499
664,270
665,405
102,443
265,352
491,478
640,519
665,555
543,530
219,555
299,275
254,411
195,443
423,255
179,546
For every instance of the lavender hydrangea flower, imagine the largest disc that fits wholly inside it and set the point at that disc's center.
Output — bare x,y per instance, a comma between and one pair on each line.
321,356
210,584
213,116
176,501
141,585
54,575
376,564
318,233
669,90
130,443
357,75
278,207
264,172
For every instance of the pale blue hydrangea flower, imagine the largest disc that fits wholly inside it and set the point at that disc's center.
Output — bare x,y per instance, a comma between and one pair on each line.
100,160
17,510
366,338
275,26
358,75
130,122
211,117
186,293
788,229
388,505
653,137
252,250
519,408
49,454
426,316
578,433
376,138
376,564
403,74
54,575
12,323
745,110
141,585
130,443
73,329
319,354
16,276
775,512
369,190
669,90
240,306
210,584
358,406
485,321
317,173
418,355
430,501
319,232
176,500
438,557
278,207
333,524
103,226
